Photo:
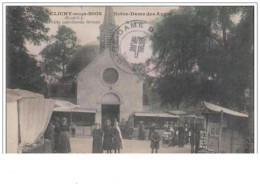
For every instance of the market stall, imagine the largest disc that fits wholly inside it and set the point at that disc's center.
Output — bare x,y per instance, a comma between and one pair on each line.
80,119
28,115
148,118
226,129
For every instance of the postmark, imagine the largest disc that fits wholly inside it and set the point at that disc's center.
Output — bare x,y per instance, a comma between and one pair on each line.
131,47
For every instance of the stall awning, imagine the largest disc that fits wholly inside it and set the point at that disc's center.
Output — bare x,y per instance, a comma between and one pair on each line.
17,94
66,106
152,114
33,113
84,110
216,108
176,112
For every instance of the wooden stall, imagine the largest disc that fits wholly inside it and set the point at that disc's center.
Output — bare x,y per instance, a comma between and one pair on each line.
82,119
226,129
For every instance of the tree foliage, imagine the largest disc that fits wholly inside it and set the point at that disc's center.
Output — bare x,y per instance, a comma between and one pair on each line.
81,58
24,24
203,55
58,53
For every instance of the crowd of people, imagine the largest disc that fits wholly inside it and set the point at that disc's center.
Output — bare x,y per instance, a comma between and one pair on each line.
107,137
58,133
127,129
176,135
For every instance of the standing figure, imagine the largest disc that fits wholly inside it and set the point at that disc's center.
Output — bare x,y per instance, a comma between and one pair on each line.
181,136
64,140
73,130
155,141
117,140
131,131
97,133
186,132
56,132
171,129
176,137
50,134
141,132
189,136
151,129
107,141
122,127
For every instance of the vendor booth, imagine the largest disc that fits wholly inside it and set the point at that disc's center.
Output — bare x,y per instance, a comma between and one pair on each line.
226,129
28,115
148,118
152,117
80,120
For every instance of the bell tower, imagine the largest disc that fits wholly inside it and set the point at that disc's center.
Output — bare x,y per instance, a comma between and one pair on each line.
107,30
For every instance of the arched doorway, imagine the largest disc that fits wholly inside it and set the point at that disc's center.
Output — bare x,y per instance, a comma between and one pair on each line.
110,107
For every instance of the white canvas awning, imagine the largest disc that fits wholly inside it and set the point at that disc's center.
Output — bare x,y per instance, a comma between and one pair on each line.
64,109
17,94
66,106
217,108
176,112
151,114
31,112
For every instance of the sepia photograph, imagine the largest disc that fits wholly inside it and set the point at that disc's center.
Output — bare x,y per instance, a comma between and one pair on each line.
130,79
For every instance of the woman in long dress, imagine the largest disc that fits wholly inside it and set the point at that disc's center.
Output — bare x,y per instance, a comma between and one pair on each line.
107,141
64,140
97,133
117,139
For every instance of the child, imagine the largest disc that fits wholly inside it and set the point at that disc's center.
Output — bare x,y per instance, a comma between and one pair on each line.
155,141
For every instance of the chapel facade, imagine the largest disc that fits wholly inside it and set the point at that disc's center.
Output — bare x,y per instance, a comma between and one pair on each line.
102,86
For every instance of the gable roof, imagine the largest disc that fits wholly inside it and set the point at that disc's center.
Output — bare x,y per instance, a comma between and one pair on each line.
107,53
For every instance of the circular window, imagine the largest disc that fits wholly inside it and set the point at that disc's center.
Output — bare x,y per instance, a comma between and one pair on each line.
110,76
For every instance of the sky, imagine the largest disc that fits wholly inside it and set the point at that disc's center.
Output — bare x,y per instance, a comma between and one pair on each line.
87,25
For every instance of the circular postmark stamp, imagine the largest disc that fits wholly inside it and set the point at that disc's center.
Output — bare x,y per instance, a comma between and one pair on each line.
131,47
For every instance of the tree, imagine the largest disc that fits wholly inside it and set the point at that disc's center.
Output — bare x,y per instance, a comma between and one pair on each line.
24,24
58,53
203,55
178,41
81,58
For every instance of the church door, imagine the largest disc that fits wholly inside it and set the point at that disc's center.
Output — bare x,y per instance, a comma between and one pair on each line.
110,112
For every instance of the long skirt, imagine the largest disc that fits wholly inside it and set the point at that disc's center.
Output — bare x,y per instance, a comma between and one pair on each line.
97,146
64,143
107,142
116,143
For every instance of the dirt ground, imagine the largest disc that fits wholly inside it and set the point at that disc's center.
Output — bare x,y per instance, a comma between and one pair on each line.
84,145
